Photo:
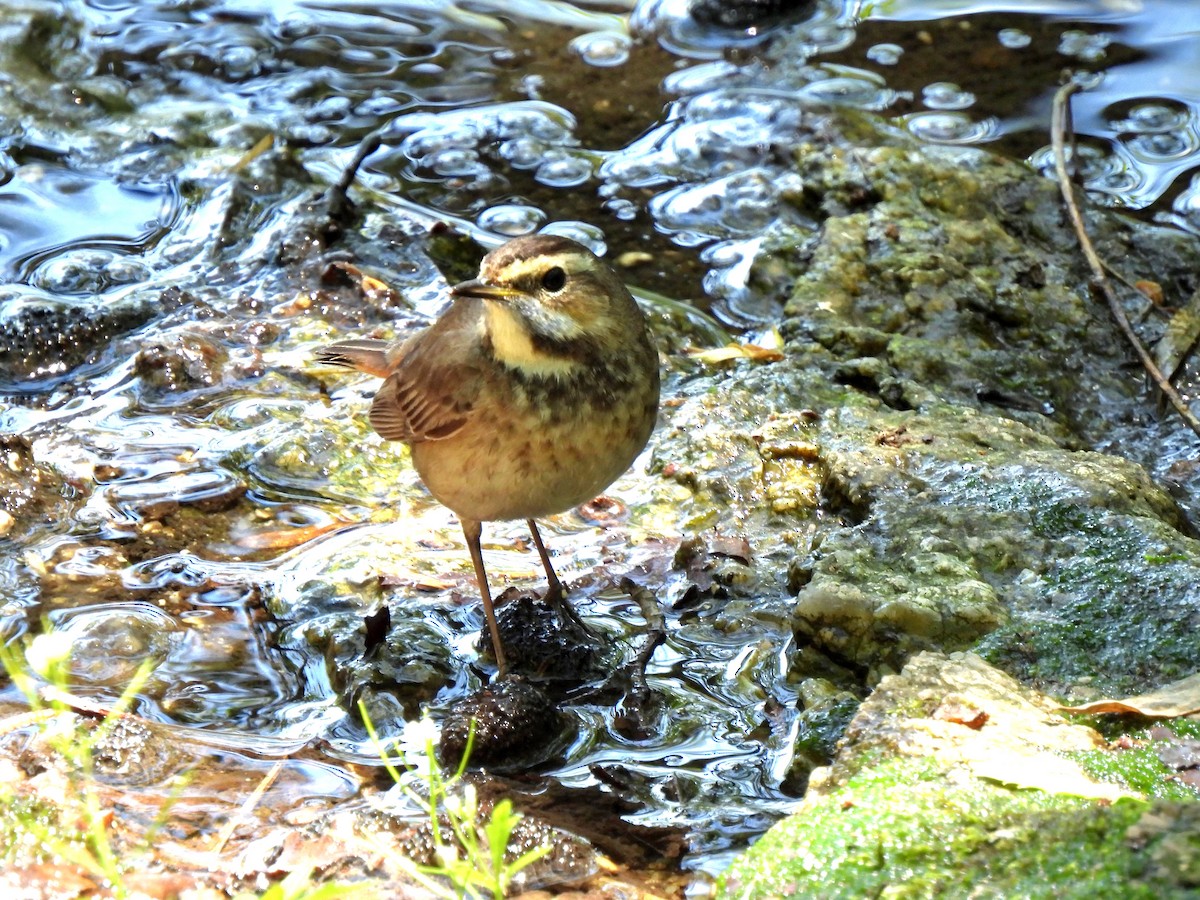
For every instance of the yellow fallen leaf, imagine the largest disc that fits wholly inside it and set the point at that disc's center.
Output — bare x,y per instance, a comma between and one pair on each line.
1180,698
1043,772
265,143
752,352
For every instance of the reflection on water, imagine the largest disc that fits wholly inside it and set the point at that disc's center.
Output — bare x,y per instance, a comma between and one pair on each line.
184,492
44,208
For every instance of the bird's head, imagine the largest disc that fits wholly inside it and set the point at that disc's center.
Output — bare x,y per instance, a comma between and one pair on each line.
551,305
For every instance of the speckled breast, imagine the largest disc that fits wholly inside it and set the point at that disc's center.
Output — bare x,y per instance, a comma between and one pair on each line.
526,458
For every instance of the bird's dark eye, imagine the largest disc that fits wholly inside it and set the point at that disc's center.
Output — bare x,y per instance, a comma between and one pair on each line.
554,279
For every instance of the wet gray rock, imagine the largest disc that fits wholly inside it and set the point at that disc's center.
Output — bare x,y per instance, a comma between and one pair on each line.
507,725
32,494
45,339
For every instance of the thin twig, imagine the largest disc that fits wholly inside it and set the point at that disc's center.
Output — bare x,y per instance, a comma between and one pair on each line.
339,194
243,813
1059,125
18,721
656,634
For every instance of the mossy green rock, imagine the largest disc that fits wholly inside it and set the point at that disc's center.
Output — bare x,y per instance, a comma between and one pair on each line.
955,782
977,531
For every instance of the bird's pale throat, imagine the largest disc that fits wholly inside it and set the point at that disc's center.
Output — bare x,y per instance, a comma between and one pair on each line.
514,346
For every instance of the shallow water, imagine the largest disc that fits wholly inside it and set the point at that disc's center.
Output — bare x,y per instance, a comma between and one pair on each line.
156,330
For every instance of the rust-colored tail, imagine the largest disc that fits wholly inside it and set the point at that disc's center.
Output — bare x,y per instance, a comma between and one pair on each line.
364,354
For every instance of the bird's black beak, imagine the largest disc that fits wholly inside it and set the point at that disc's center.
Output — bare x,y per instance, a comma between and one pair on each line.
482,291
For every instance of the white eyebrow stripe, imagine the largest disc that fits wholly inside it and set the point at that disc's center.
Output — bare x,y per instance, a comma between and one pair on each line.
521,268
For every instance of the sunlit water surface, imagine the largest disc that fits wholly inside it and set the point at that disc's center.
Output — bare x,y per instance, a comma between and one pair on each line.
176,536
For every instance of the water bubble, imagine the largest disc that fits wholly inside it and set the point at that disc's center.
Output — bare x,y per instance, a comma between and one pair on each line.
432,140
885,54
110,640
511,219
699,79
126,270
1084,46
951,128
294,27
713,105
427,70
1187,204
621,209
506,58
74,272
239,62
845,90
1151,117
454,162
830,37
1014,38
564,171
523,152
330,109
750,202
539,120
603,49
743,203
723,255
727,282
1117,177
945,95
1088,81
1098,168
382,106
633,171
314,135
1162,147
588,235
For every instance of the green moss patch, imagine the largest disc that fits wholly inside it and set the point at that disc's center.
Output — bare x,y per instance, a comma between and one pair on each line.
913,829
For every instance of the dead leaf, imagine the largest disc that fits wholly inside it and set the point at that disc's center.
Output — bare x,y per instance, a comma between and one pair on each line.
57,879
265,143
770,350
426,584
730,352
1179,338
374,289
1181,698
1151,290
286,538
805,451
603,510
1043,772
961,710
1190,777
734,546
899,437
1183,753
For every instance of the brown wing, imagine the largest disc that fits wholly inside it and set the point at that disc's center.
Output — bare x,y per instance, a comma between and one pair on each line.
433,390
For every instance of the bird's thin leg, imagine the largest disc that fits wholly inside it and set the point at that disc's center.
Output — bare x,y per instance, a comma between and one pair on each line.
473,531
556,594
556,588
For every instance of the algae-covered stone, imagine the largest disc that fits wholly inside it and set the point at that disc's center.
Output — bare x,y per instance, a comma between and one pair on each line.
961,277
972,527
